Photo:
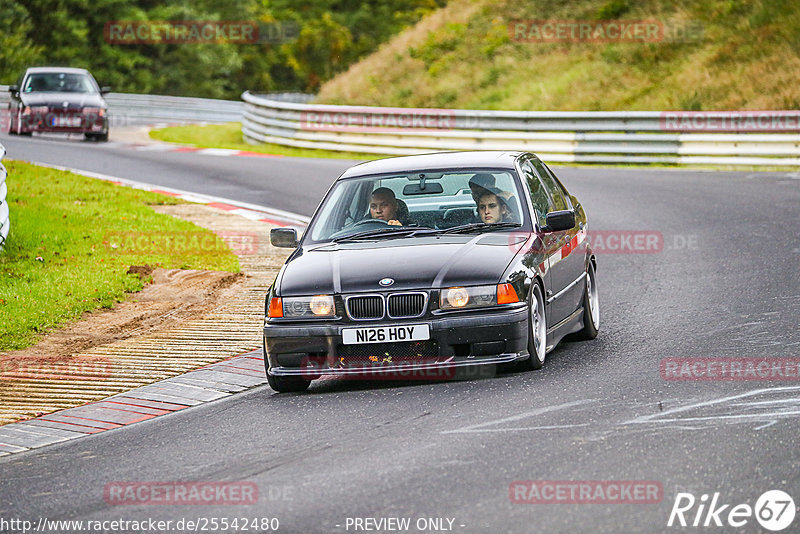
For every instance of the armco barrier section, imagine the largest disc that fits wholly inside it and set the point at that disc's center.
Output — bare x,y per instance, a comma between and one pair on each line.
582,137
125,109
5,216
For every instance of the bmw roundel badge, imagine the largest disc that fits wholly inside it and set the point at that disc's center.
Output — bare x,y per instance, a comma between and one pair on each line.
386,282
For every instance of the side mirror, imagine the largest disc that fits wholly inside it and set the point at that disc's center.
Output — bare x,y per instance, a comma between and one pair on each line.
13,88
557,221
283,237
105,89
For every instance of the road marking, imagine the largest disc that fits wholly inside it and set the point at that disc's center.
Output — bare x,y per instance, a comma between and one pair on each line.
665,416
539,411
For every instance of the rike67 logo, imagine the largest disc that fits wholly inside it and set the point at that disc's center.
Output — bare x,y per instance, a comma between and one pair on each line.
774,511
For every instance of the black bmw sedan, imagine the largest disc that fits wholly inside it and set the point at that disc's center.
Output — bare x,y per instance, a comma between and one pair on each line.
424,264
59,100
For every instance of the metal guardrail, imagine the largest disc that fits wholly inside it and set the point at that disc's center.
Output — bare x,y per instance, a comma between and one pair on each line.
5,216
582,137
126,109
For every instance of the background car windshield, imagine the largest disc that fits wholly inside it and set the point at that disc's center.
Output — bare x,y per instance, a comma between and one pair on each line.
60,82
436,200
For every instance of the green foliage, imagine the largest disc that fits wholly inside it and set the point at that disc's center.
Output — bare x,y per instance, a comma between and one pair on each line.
16,50
330,36
613,9
711,55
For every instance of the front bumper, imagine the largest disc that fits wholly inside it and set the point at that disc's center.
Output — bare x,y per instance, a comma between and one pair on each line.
456,340
51,123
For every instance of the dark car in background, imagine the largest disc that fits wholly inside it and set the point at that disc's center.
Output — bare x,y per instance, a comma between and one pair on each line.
435,284
58,100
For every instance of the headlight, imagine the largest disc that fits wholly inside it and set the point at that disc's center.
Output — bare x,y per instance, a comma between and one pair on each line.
27,110
456,298
97,111
315,306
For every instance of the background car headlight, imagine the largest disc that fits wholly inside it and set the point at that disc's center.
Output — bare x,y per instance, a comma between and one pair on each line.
455,298
314,306
96,111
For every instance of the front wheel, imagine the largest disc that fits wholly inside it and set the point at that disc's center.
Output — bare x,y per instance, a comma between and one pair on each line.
537,330
284,384
96,137
591,307
287,384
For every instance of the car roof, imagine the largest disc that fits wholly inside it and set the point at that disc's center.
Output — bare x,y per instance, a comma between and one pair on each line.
438,160
68,70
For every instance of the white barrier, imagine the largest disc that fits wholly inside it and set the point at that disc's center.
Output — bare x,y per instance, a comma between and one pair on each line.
583,137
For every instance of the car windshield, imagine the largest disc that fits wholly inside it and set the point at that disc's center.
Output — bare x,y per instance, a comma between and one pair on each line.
393,205
60,82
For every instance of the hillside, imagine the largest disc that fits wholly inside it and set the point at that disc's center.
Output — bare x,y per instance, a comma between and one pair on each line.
709,55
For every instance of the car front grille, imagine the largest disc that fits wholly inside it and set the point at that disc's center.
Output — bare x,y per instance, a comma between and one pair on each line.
406,305
366,307
399,305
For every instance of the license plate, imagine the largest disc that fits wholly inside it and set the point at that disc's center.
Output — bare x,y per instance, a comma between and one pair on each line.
385,334
67,122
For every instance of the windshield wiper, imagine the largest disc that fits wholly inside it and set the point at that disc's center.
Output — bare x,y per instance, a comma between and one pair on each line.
383,232
471,227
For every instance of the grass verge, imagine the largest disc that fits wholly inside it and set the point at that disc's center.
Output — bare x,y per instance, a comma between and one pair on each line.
72,242
229,135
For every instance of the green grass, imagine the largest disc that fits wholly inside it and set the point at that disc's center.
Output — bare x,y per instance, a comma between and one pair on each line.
70,248
229,135
714,55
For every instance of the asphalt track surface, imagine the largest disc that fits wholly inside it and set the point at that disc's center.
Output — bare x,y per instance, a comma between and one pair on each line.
726,284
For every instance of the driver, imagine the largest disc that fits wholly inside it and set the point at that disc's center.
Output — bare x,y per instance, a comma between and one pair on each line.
384,205
493,205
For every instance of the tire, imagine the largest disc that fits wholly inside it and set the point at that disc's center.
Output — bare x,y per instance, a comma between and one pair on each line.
284,384
287,384
591,307
537,330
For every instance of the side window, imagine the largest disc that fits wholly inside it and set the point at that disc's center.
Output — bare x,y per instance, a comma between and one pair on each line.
539,198
554,191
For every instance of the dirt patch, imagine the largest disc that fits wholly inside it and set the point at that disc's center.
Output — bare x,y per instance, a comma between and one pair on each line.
173,296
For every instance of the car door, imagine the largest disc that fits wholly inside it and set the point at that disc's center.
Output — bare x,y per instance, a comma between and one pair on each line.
547,249
571,249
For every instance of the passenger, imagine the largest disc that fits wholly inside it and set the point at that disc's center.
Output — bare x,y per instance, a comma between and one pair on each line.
384,205
493,206
479,183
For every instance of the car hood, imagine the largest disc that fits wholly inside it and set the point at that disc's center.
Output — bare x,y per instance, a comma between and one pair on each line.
413,263
57,99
